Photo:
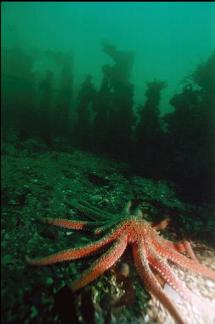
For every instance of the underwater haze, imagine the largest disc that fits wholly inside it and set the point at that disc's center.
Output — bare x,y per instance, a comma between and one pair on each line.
107,131
168,39
130,80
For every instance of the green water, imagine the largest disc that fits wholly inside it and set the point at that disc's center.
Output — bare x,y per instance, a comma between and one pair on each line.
131,80
102,103
168,39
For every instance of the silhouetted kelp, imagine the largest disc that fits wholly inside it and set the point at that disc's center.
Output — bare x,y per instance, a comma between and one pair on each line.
114,105
149,135
191,133
84,124
178,146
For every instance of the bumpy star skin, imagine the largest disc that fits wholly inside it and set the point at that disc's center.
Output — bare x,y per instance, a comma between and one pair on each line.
150,252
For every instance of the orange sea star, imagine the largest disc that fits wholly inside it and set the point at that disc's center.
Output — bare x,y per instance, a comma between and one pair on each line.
150,252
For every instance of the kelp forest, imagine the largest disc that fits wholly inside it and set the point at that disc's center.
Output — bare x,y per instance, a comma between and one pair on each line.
107,199
177,146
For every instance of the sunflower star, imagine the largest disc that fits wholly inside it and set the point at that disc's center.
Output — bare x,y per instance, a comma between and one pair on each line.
150,252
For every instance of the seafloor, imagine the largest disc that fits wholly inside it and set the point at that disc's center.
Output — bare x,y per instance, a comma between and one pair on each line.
41,182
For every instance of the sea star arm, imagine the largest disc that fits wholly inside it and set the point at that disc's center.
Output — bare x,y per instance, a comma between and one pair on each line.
94,208
161,225
187,249
102,264
159,265
182,247
182,260
127,208
65,223
92,212
104,228
72,224
75,253
150,280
